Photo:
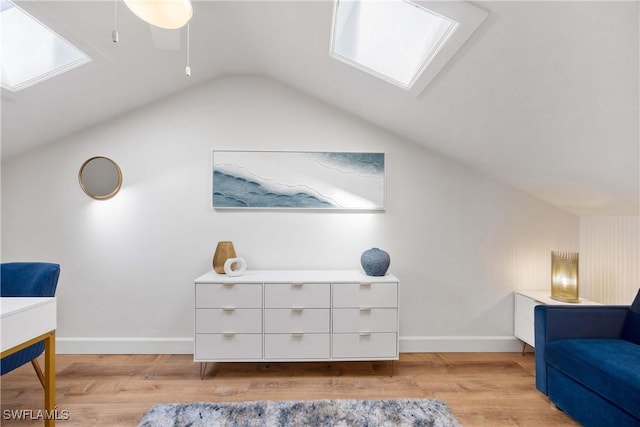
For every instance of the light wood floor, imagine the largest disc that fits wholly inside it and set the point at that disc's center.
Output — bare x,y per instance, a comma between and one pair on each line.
482,389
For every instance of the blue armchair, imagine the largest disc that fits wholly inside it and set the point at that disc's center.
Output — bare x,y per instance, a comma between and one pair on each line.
27,279
587,361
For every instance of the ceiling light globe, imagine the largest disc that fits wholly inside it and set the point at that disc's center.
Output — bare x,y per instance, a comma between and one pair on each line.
169,14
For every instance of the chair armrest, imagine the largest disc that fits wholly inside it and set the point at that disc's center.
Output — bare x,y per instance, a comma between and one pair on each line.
561,322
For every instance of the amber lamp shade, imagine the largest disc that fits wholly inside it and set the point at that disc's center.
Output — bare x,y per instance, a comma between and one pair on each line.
564,276
224,251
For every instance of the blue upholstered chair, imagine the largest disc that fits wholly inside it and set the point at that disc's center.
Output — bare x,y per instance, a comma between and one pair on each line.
588,361
27,279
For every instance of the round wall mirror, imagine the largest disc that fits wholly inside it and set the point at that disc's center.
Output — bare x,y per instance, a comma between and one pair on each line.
100,177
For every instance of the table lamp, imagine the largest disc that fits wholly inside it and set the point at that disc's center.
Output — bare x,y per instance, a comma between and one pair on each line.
564,276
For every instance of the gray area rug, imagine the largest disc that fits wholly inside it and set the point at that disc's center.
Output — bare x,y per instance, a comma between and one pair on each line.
397,412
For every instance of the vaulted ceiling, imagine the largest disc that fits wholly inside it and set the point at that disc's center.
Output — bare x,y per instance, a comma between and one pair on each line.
544,96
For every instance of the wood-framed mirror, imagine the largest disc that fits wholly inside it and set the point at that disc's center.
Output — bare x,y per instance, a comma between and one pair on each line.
100,177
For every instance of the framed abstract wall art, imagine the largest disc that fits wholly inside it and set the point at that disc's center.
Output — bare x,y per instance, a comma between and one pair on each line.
298,180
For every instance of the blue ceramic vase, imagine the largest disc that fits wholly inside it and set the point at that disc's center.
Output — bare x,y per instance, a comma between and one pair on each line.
375,262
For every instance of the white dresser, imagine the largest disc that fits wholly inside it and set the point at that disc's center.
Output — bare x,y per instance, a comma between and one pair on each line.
290,315
525,303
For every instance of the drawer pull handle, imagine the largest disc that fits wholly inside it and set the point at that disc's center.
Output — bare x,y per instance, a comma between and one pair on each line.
297,334
297,284
365,284
229,334
365,334
297,309
365,308
228,308
228,285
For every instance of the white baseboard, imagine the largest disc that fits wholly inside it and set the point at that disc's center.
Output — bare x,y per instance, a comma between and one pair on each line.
182,345
124,345
460,344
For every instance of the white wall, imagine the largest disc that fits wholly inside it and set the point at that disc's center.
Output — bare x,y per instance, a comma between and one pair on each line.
459,242
609,258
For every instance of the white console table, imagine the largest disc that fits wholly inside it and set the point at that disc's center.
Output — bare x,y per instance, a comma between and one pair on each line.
525,303
295,315
27,321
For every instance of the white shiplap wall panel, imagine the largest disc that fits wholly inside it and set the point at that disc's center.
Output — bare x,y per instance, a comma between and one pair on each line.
610,258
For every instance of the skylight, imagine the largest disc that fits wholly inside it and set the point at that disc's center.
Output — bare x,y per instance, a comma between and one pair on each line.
30,51
394,39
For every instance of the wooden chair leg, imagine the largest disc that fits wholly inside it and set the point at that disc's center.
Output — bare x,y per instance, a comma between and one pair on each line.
36,367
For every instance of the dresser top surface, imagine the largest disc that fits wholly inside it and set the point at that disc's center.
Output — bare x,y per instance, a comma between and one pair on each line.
292,276
545,298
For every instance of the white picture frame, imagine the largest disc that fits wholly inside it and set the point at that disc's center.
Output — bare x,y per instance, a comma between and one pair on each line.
298,180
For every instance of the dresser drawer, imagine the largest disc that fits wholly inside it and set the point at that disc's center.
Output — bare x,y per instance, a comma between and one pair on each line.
301,295
238,295
228,346
358,295
365,320
374,345
286,320
218,320
296,346
525,307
